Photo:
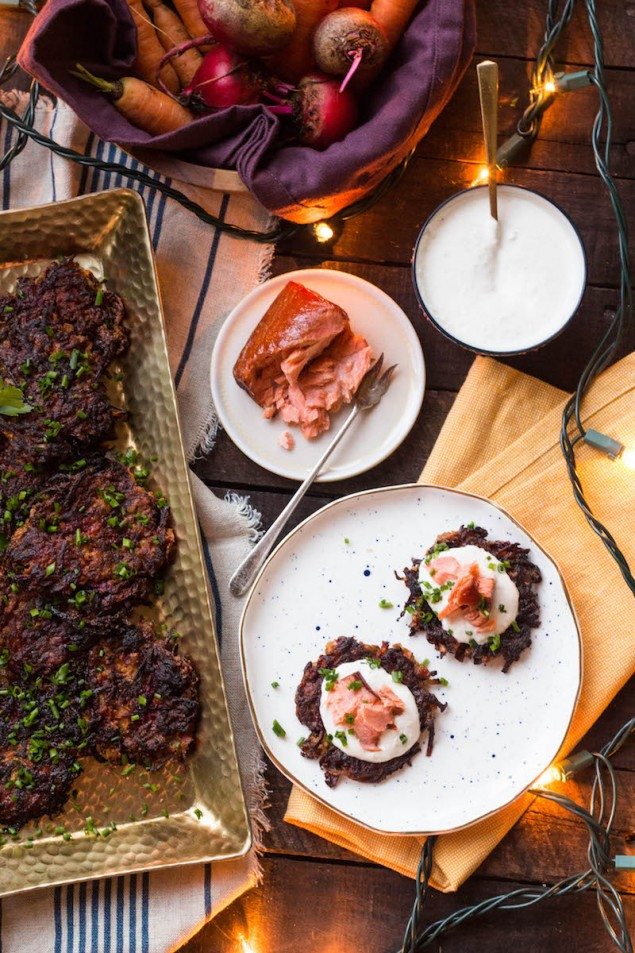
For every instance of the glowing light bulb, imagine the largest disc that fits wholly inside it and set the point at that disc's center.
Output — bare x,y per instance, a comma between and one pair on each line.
628,458
553,773
323,231
481,177
245,946
550,86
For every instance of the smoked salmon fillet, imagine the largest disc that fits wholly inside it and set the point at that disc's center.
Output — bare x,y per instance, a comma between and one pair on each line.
302,360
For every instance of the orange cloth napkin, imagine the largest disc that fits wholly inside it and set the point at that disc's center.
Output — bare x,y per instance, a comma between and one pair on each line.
500,440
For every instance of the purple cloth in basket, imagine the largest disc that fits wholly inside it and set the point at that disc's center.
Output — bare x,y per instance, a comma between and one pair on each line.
293,180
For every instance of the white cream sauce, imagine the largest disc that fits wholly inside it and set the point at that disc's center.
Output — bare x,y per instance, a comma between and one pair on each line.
500,286
391,743
504,598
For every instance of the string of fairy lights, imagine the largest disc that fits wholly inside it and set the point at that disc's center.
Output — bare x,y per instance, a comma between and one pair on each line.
600,816
546,85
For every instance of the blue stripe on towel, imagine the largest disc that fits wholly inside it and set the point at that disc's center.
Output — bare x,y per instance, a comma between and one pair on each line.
202,295
119,914
94,184
81,946
159,222
145,908
107,896
6,182
207,556
57,919
70,914
207,889
152,194
88,151
94,918
52,155
132,914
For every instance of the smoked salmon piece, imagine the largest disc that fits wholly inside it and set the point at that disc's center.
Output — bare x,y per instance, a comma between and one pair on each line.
368,712
303,361
468,594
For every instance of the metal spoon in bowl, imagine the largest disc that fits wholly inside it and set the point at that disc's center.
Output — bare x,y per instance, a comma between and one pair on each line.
370,391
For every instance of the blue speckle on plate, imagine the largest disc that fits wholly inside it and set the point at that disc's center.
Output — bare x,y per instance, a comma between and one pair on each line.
367,572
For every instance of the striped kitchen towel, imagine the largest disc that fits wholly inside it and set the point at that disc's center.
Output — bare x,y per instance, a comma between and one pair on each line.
203,273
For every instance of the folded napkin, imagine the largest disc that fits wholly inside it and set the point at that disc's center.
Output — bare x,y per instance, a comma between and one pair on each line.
200,283
500,441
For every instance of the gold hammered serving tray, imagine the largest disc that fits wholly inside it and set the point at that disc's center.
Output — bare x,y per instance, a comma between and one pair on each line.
187,813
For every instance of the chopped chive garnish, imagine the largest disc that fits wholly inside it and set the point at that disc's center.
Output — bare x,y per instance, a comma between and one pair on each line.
278,729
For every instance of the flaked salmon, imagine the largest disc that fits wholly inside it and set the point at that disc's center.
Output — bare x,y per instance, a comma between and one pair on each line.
471,595
303,361
357,707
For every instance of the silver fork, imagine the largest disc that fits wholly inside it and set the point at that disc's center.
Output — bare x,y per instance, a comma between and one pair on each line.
370,391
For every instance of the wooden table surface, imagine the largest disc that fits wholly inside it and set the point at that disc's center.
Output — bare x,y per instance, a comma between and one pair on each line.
315,896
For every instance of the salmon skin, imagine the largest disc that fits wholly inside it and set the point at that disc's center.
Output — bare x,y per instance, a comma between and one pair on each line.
302,360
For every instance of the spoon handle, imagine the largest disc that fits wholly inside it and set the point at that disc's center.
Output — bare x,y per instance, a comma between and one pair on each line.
249,567
488,92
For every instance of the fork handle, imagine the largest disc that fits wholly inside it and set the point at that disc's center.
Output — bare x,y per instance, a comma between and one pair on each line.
249,567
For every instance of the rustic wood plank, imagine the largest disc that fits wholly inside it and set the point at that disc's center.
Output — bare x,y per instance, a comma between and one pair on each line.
516,29
15,24
564,138
387,232
302,905
545,845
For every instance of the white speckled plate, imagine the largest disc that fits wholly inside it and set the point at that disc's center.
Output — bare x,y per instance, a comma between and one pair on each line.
499,731
385,327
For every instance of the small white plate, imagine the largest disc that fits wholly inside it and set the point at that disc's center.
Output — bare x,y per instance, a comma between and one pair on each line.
499,732
373,438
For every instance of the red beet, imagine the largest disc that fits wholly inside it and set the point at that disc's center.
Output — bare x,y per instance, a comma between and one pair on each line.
224,79
322,113
349,37
253,27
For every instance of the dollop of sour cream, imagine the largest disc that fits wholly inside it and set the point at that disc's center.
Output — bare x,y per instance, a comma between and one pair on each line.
393,741
504,606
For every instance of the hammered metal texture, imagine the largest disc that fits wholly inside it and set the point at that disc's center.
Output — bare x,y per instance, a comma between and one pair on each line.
109,233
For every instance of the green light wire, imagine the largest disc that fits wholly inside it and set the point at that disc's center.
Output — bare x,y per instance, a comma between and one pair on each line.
599,820
601,814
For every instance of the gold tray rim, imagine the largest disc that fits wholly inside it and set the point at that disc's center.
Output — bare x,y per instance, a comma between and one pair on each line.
130,195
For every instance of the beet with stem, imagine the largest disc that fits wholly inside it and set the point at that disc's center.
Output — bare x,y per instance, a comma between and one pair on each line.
322,113
347,40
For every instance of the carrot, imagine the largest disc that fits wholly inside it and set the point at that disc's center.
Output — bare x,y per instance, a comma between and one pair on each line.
149,50
188,11
143,105
394,16
296,59
172,33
